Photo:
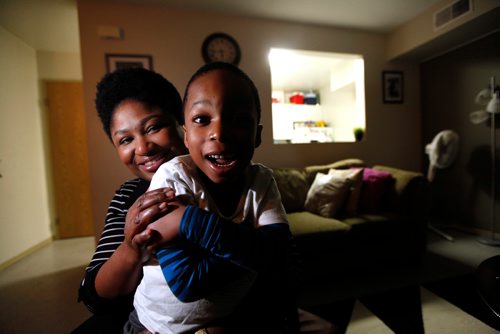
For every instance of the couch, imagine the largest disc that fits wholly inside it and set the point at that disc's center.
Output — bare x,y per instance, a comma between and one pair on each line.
374,234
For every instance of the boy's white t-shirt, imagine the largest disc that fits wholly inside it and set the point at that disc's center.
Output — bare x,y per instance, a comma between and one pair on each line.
157,307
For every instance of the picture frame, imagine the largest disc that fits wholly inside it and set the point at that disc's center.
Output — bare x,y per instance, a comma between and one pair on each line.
392,86
117,61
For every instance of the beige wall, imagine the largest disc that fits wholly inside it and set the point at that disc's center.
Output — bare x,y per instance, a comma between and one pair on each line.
59,65
24,211
174,39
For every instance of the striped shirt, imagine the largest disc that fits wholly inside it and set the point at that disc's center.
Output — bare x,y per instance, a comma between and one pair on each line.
112,236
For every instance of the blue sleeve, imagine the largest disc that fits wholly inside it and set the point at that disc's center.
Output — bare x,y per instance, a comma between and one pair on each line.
214,251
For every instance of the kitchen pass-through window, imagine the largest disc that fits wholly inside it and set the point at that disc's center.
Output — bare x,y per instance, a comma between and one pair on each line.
317,97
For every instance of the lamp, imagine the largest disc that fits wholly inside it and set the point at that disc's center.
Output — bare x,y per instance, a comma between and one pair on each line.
491,99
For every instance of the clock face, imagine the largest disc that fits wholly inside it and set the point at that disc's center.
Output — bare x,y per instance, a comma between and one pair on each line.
221,47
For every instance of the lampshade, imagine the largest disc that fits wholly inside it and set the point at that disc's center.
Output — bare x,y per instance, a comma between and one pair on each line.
492,106
483,97
488,97
479,116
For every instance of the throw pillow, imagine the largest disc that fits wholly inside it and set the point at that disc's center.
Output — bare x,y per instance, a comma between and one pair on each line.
376,189
356,176
293,187
341,164
327,195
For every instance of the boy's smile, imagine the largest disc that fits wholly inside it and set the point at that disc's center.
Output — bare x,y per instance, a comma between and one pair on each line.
221,160
221,130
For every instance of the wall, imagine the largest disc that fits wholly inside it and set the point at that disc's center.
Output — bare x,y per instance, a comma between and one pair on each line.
417,39
461,193
174,39
59,65
24,212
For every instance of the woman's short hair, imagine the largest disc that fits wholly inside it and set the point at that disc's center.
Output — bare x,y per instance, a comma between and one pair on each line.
137,84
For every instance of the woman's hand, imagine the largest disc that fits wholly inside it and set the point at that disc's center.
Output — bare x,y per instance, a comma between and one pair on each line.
121,273
147,208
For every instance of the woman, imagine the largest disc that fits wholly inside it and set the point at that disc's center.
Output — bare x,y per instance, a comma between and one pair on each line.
140,112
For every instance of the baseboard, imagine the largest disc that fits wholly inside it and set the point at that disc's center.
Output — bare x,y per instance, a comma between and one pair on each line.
473,230
24,254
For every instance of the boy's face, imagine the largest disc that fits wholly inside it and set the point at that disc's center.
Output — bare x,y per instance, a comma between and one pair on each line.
221,130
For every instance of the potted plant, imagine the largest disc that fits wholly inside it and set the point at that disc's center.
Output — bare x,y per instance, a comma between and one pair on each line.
359,133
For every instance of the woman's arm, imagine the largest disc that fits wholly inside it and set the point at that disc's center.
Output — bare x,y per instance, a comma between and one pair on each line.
115,269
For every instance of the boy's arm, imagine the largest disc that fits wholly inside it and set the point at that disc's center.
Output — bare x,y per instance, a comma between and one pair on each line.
252,248
190,270
213,251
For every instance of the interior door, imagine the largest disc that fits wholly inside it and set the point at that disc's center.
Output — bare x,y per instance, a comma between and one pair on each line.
69,159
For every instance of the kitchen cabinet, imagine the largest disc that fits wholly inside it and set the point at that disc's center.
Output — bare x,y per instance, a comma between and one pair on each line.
300,123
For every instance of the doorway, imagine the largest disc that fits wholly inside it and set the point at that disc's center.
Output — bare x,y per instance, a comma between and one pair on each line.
69,159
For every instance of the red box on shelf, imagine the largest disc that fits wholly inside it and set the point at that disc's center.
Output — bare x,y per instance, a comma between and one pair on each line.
297,98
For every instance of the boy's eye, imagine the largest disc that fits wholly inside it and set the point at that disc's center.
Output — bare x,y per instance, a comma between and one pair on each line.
201,119
242,118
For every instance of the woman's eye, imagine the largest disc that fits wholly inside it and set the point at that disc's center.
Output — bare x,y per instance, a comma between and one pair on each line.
152,128
125,140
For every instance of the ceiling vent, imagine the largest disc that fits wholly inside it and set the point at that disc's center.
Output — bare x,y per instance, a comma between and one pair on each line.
446,15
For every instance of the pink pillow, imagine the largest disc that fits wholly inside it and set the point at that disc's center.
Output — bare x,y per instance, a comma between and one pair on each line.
375,191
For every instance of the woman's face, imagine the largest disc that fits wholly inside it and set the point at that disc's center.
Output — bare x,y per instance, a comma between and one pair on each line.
144,137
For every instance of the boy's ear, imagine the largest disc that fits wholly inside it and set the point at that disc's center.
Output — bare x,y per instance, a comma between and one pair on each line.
258,135
185,136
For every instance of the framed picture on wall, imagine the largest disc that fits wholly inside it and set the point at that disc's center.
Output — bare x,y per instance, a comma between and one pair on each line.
393,86
117,61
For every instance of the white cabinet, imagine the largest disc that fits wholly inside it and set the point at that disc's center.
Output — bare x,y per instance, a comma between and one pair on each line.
300,123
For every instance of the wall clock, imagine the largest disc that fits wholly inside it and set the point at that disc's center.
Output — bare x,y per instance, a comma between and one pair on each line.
221,47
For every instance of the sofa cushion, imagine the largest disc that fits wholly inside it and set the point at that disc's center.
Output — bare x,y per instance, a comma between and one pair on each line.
356,176
327,195
371,218
306,224
293,186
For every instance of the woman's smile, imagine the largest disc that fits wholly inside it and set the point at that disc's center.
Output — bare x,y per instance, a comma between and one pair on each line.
150,164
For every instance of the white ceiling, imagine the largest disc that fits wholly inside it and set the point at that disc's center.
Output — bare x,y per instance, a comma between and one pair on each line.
52,25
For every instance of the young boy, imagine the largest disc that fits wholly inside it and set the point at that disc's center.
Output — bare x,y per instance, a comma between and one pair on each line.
212,260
